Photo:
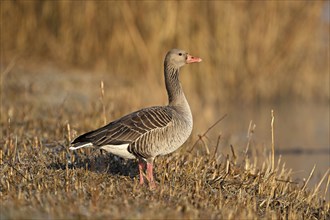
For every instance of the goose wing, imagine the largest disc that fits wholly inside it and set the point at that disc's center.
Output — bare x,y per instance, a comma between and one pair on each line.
128,128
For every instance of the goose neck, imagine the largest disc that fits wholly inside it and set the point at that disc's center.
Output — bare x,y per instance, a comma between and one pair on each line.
173,85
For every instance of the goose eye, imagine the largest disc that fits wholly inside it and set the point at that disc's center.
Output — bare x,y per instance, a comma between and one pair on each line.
180,54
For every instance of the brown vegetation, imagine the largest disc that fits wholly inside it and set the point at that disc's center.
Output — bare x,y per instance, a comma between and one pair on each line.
252,52
41,179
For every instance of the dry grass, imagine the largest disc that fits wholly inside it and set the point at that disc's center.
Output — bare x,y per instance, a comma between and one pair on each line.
40,178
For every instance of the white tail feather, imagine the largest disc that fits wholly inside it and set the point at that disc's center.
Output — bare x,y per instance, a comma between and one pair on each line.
119,150
81,146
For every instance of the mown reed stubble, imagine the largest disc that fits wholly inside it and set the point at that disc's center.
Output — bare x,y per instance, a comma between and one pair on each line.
40,178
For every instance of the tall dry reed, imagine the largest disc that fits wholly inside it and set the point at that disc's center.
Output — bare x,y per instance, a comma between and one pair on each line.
252,51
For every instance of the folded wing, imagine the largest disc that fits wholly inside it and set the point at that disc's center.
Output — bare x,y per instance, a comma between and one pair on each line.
127,129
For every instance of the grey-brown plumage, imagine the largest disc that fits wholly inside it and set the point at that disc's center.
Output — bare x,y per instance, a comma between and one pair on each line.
149,132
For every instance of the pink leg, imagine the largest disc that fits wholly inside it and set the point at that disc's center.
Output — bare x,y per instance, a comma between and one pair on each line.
150,176
141,168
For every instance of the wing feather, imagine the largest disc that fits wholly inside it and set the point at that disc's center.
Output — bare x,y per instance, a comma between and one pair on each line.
129,128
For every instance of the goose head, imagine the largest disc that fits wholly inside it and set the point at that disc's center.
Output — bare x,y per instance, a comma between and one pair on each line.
179,58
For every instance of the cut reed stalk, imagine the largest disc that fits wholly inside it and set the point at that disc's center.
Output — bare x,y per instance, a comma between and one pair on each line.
217,146
309,177
249,135
233,153
102,101
1,157
326,188
273,141
69,132
320,183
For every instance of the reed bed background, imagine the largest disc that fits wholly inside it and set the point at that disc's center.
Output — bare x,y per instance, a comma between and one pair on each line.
252,51
71,66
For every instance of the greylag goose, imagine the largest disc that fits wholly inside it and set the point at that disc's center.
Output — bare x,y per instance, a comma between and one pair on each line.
152,131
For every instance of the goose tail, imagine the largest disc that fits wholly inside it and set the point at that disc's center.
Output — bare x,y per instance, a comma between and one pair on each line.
80,145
